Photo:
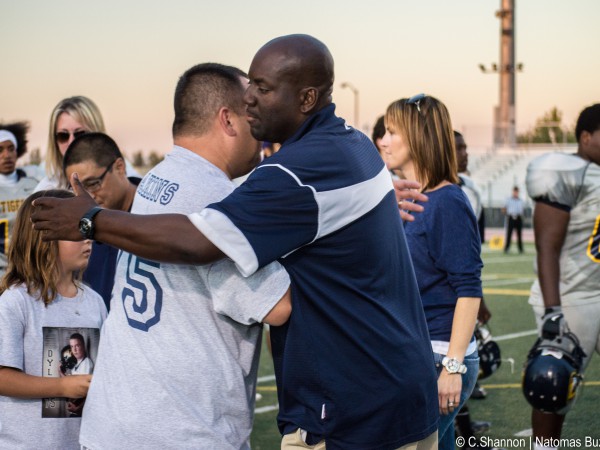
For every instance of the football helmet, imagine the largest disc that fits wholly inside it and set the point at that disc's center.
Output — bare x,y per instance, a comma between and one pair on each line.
551,375
67,360
489,352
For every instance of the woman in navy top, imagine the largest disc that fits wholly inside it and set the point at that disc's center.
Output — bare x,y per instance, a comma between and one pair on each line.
444,244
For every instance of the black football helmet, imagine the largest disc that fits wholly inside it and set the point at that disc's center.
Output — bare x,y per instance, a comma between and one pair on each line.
489,352
551,375
67,360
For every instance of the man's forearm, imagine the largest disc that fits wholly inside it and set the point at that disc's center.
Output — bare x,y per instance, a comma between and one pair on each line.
169,238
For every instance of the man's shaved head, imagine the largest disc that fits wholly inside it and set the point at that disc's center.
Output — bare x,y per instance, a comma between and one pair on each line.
304,60
291,78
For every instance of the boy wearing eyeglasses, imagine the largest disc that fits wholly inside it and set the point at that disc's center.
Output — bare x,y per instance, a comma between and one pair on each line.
15,184
96,158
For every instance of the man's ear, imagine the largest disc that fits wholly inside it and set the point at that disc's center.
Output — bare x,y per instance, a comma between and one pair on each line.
119,166
308,98
226,119
585,137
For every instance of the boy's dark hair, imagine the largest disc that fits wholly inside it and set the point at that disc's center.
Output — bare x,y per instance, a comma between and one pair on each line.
589,120
378,129
97,147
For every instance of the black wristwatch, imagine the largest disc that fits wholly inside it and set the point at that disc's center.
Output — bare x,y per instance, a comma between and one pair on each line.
86,224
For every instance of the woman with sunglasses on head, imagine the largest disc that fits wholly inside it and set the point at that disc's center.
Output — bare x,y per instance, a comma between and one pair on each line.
70,118
444,244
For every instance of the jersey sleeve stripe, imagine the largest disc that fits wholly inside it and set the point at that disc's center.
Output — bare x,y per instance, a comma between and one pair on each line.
339,207
221,231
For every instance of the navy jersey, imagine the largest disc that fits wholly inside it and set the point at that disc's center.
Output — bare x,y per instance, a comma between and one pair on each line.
353,364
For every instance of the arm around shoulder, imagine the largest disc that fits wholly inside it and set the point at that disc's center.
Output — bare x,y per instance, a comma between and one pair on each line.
170,238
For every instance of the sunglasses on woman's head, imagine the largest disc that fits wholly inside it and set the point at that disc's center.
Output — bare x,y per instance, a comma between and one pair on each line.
416,100
63,136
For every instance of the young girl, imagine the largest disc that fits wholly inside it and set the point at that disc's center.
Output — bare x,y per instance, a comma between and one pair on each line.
42,306
444,245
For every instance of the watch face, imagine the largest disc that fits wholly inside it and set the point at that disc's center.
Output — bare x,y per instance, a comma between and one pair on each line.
85,226
453,365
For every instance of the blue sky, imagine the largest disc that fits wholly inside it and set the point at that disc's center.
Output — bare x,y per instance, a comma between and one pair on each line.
127,56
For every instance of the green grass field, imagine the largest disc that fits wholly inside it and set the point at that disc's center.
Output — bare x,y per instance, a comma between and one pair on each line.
506,281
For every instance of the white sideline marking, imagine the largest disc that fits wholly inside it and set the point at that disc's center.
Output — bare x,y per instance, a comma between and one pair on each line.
524,433
266,378
265,409
506,337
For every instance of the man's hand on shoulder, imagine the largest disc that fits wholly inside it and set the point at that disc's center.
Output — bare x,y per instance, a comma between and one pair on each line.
407,193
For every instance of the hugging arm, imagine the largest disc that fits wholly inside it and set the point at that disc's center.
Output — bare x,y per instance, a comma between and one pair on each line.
170,238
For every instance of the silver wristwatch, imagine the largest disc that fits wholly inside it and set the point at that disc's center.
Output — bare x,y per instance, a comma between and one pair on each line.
453,365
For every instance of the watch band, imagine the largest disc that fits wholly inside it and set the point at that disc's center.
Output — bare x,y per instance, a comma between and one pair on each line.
86,224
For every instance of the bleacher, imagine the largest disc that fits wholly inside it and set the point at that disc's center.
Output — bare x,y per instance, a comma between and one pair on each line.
497,170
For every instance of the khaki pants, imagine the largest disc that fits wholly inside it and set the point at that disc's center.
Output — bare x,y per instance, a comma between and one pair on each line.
294,441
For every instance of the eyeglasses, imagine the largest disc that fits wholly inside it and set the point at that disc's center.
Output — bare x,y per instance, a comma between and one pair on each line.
63,136
94,184
416,100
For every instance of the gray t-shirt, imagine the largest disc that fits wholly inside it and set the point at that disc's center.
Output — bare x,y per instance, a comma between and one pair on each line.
31,337
179,352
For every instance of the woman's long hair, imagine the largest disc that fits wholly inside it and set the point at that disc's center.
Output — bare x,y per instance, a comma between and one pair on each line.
427,127
32,261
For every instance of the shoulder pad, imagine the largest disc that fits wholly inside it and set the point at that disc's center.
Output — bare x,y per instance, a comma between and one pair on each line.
556,177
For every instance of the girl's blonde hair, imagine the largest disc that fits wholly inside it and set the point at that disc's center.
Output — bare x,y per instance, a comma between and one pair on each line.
84,111
425,123
32,261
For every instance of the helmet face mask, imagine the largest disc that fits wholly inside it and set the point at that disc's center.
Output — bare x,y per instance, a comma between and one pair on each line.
551,376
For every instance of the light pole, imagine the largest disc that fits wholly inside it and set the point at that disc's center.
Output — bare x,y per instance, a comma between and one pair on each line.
504,114
355,92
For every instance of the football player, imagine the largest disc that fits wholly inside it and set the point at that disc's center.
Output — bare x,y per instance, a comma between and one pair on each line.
566,189
15,184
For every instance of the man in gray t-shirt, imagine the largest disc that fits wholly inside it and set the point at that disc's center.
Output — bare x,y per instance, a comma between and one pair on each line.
179,352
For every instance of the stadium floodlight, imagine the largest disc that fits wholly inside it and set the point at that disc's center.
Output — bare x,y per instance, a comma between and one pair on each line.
344,85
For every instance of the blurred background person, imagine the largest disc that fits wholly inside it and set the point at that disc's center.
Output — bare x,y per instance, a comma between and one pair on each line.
376,137
513,209
15,184
466,427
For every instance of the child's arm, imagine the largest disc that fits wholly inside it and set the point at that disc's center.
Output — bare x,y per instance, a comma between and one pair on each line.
15,383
